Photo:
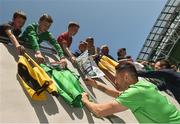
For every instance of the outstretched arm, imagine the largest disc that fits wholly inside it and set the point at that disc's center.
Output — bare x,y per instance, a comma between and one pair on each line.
12,38
69,53
152,74
103,109
15,42
111,92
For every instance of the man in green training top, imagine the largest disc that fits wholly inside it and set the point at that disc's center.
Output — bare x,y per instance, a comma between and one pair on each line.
140,96
35,33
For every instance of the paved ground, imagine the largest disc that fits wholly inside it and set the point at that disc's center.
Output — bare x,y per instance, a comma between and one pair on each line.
16,106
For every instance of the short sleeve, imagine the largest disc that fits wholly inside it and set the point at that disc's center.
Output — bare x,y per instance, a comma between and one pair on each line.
64,39
131,98
61,40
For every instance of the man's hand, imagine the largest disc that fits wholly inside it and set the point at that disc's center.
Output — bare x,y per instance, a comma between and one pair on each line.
20,49
63,63
73,59
85,97
91,82
39,57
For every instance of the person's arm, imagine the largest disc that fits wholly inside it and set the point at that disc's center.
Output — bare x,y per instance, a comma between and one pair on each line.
58,48
103,109
65,48
152,74
15,42
31,36
12,38
109,91
68,52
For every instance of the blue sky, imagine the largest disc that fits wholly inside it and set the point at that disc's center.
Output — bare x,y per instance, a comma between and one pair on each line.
117,23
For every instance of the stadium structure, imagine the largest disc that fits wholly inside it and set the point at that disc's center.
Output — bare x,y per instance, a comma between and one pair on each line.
163,41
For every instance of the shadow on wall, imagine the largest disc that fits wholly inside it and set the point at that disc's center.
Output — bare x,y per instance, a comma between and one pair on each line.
49,106
12,50
78,112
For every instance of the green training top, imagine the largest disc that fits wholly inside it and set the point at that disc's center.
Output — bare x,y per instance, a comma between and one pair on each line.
148,105
31,36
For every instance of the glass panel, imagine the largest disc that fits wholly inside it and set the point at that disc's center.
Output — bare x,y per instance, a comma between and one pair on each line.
159,30
163,24
141,56
172,9
176,2
145,56
162,16
149,50
152,44
151,36
156,37
171,2
155,30
158,23
167,16
144,49
167,9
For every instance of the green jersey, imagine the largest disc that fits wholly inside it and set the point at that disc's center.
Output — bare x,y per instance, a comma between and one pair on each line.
148,105
31,36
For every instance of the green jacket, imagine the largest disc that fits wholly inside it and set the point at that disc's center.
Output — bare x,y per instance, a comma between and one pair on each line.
67,83
31,36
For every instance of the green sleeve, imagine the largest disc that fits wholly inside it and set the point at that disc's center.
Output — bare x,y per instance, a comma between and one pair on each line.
130,98
31,37
58,48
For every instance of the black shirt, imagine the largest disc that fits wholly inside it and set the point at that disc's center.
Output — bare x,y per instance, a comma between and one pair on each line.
119,58
9,26
170,77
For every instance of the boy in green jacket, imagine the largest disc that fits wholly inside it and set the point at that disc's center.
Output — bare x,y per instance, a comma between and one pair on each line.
35,33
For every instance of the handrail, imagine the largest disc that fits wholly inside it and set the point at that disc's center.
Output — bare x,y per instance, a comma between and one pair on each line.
7,41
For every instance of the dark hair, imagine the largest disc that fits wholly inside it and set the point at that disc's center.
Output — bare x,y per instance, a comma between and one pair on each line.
73,24
19,13
46,17
90,38
125,66
128,57
121,49
82,42
164,63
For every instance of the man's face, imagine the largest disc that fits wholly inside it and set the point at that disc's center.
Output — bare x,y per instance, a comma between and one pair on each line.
73,30
157,66
122,52
105,50
82,47
18,22
90,43
44,26
120,81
